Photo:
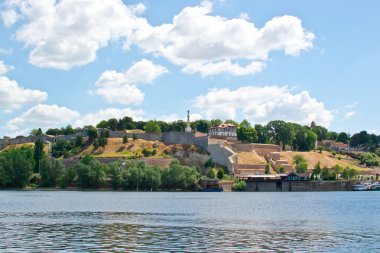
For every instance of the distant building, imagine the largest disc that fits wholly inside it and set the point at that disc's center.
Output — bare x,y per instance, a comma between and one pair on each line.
333,145
313,125
223,131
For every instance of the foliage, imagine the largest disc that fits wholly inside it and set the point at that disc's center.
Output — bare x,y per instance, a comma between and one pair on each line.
281,169
152,127
180,177
343,137
201,125
90,172
208,163
79,141
210,173
16,167
300,164
317,169
216,122
38,154
149,152
50,170
134,137
348,173
245,132
36,132
325,174
239,186
220,174
66,177
369,159
92,133
125,139
267,168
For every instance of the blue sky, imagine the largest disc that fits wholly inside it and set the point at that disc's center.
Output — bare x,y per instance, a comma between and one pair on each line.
71,62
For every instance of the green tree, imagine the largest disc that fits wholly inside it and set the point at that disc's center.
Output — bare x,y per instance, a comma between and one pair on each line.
343,137
220,174
281,169
51,170
325,174
134,137
115,175
239,186
16,167
262,134
68,130
317,169
125,139
180,177
92,133
112,124
66,177
348,173
216,122
232,122
134,175
102,124
152,127
245,132
210,173
201,125
91,173
78,141
369,159
267,169
38,154
36,132
152,178
300,164
337,169
321,132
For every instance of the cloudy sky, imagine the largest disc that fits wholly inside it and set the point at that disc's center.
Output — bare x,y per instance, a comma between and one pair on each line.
79,61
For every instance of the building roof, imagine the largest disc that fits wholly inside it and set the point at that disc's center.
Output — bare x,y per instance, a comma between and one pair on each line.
223,126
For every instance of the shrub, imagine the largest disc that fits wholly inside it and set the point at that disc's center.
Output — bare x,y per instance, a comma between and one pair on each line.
239,186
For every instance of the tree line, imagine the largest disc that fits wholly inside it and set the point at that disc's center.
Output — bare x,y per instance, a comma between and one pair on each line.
25,166
298,137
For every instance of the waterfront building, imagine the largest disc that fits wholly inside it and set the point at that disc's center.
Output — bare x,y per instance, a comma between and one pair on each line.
223,131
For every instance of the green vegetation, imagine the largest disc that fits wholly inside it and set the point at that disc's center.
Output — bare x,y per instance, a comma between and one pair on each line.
300,164
369,159
152,127
245,132
239,186
16,170
16,167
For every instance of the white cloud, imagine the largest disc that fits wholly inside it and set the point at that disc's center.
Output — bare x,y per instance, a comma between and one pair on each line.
263,104
352,106
13,96
41,115
5,68
95,118
68,33
208,44
116,87
349,114
125,94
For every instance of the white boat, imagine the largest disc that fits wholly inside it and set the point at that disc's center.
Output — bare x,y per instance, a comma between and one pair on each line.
375,186
362,187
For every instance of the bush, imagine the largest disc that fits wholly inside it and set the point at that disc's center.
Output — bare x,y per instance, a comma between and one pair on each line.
369,159
239,186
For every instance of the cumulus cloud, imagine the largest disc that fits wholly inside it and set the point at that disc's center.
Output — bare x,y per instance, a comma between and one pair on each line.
5,68
68,33
209,44
263,104
41,115
117,87
13,96
95,118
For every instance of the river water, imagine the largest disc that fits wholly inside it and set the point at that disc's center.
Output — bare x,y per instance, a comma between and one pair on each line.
69,221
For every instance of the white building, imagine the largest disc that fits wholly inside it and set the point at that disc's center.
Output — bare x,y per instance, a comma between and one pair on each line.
223,131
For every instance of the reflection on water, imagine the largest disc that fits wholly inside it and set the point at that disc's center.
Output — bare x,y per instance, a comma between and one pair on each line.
264,224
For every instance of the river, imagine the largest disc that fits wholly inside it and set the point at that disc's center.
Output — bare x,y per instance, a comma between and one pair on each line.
95,221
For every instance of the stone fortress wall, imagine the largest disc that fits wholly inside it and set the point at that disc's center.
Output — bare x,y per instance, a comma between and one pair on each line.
189,138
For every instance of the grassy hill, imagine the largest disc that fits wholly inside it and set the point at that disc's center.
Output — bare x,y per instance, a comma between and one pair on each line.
137,148
325,158
29,145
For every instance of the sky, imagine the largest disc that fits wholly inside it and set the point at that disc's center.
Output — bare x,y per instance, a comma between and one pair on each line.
79,61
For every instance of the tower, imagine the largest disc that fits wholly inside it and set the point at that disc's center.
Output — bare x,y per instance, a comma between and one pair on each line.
188,127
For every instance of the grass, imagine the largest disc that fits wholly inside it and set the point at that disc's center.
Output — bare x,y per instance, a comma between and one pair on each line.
250,158
325,158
